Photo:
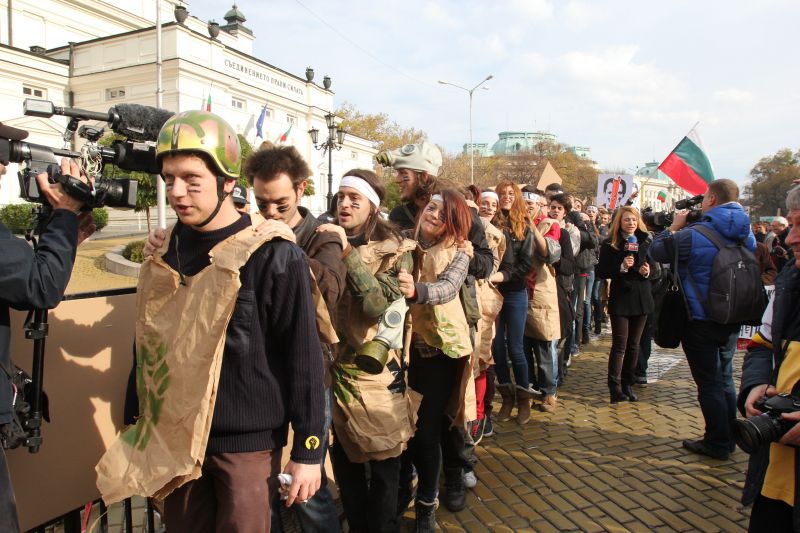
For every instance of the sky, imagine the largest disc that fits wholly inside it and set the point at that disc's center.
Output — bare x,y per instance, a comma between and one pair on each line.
628,79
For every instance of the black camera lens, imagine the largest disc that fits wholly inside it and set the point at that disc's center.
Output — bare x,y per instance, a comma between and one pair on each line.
753,433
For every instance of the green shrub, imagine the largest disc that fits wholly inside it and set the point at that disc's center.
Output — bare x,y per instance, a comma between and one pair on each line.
16,217
134,251
100,217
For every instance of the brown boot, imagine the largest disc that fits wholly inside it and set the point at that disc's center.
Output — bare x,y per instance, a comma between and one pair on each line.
548,404
524,397
507,393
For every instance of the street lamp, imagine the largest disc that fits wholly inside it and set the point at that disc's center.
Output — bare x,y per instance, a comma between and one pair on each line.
334,141
471,147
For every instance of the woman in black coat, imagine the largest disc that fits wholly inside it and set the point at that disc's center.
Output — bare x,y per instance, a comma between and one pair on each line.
623,260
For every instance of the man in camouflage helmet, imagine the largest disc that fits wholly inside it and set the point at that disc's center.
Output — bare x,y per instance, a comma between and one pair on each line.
272,371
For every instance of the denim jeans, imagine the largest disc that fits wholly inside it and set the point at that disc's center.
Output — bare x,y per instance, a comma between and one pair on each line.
319,514
508,339
578,302
542,356
588,302
709,349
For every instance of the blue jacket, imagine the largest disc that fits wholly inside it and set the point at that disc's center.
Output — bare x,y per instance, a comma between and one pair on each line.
696,253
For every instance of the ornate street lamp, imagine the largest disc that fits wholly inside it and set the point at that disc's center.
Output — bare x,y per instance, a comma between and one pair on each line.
334,141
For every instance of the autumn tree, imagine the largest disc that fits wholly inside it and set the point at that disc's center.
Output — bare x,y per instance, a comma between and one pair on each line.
772,178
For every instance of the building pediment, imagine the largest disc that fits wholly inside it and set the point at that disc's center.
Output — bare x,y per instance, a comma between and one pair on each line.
36,125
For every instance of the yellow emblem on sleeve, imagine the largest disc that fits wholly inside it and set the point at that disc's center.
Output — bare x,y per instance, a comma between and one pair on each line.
312,443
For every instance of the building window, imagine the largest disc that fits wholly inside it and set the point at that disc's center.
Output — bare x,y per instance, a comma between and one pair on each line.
115,94
36,92
291,119
353,155
239,104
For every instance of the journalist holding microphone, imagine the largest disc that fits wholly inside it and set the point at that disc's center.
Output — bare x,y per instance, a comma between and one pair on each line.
623,260
33,279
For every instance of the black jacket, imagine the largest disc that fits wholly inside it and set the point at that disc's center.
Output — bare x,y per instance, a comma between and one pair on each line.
757,369
631,293
32,280
517,261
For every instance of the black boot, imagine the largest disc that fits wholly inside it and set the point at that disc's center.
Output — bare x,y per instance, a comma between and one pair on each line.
425,521
455,496
585,336
627,390
617,395
405,493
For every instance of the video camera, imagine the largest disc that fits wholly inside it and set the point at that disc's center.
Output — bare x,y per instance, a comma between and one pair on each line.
137,123
662,220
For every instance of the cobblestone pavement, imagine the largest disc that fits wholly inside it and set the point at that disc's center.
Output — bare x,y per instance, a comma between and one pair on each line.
593,466
89,273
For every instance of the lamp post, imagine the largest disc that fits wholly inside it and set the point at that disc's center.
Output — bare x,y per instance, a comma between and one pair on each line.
471,147
334,141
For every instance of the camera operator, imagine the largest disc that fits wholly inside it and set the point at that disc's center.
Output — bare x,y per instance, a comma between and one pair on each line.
32,279
770,483
708,345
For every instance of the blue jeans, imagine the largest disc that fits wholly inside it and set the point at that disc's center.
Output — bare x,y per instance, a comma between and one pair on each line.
587,307
319,514
507,342
709,349
543,364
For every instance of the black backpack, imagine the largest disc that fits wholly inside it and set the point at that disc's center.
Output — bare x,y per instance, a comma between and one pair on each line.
735,292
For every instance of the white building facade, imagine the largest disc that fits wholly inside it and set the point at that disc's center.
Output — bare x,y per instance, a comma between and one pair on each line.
95,54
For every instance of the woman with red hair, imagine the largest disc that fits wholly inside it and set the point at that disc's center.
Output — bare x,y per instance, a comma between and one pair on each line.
512,219
440,348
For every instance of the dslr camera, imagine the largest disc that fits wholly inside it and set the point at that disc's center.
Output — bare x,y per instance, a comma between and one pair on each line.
753,433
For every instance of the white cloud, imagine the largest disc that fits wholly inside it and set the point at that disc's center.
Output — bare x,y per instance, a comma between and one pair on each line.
536,10
733,96
439,15
612,77
581,14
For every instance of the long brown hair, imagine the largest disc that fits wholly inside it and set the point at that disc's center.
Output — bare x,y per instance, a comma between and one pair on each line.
457,217
616,233
517,219
376,227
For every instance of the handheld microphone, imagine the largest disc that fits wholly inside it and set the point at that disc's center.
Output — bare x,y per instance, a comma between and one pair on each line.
631,246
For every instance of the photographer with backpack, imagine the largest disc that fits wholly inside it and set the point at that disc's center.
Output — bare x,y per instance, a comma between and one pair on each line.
721,280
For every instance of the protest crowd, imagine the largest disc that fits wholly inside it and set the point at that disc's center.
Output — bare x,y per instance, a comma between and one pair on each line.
384,337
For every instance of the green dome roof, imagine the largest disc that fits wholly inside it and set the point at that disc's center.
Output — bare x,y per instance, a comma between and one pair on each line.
235,15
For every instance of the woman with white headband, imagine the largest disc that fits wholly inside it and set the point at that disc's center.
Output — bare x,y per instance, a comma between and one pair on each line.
374,254
440,347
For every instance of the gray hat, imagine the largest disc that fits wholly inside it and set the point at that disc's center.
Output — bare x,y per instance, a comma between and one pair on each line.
422,156
239,195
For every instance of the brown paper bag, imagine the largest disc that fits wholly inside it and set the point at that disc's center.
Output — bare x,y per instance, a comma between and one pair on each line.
180,337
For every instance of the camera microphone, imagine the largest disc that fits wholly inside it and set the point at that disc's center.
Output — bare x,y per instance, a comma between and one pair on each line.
138,122
631,246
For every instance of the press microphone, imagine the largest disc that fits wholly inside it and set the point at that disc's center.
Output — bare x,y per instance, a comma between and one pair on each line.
631,246
138,122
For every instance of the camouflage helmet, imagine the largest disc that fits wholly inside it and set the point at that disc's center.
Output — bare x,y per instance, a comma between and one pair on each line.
204,132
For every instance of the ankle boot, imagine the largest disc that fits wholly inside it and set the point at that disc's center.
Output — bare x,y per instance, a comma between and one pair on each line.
627,390
585,338
524,397
617,395
425,520
507,393
455,495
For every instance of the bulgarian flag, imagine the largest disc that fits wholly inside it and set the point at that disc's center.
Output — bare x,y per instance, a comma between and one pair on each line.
208,103
688,165
282,138
662,196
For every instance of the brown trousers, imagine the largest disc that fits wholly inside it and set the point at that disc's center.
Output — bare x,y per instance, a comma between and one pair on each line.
233,495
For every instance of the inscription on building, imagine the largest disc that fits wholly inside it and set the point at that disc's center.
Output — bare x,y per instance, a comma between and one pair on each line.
263,76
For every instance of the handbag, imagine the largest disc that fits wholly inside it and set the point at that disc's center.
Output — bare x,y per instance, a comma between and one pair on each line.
672,315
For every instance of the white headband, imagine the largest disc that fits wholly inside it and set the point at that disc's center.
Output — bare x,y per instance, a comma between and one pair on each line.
532,196
490,194
437,198
361,185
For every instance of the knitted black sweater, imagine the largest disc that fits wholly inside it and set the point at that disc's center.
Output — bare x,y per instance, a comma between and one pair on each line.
272,370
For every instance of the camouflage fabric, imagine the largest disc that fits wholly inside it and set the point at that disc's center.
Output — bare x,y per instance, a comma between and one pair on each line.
205,132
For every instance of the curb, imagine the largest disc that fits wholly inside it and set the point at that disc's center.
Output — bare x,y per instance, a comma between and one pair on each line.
116,264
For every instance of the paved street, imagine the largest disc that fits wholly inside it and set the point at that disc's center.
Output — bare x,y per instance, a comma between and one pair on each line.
89,273
594,467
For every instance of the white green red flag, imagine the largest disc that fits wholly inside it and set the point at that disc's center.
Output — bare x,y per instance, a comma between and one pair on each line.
282,138
662,196
688,165
208,103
